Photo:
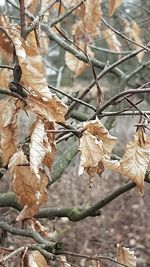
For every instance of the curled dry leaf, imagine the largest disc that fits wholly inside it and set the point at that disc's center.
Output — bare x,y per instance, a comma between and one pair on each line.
135,33
32,6
5,77
76,65
52,110
6,46
30,192
112,40
8,129
113,5
132,29
125,256
87,25
91,154
63,261
35,259
96,144
30,61
135,160
97,129
43,147
38,227
113,165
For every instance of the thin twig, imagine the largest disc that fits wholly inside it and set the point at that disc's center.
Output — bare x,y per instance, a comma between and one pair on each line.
10,93
6,67
124,37
40,15
22,18
65,15
114,98
72,98
109,51
62,43
88,60
12,254
28,233
103,72
91,257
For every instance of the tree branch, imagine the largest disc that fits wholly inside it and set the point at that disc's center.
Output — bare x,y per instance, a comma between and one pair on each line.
65,14
10,93
37,19
125,37
28,233
102,203
62,42
74,213
22,18
114,98
121,76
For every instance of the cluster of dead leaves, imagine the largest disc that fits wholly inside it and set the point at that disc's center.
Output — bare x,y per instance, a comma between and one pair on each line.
96,146
124,256
86,28
30,173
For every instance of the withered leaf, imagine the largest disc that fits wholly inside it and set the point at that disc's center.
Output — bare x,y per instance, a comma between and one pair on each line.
76,65
43,147
112,40
91,153
33,71
87,25
38,227
96,146
97,129
113,5
30,191
125,256
52,110
35,259
135,160
8,129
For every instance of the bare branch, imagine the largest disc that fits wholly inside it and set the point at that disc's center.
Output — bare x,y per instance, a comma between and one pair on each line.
114,98
39,17
28,233
125,37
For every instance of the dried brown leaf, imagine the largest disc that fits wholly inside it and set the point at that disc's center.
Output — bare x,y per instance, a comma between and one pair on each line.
8,129
6,47
38,227
30,191
113,5
125,256
5,77
30,61
113,165
76,65
33,6
112,40
135,160
43,147
132,29
91,153
96,146
97,129
63,261
87,25
35,259
52,110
